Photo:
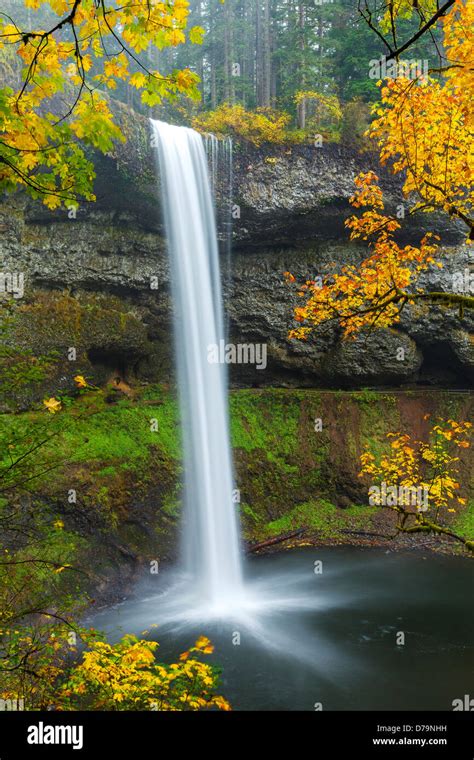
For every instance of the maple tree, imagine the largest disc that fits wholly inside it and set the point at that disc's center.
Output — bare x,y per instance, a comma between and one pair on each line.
126,676
424,125
414,466
38,592
40,601
37,663
269,125
67,69
423,129
39,565
35,656
257,127
384,18
373,293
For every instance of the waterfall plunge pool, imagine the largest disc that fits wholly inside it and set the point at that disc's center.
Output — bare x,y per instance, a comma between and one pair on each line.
325,637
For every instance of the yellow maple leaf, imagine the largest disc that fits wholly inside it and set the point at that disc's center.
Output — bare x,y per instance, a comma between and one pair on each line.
202,642
53,405
80,381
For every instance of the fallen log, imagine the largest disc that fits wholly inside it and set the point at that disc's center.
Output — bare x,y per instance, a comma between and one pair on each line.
276,540
366,533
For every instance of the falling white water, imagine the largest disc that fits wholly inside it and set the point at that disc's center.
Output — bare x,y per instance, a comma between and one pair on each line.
210,535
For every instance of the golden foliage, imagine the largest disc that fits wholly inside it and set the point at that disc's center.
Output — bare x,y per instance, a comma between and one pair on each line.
53,405
414,464
326,104
424,126
260,126
71,63
126,676
372,293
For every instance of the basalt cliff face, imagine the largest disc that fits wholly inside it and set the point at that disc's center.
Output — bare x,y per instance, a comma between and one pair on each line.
99,281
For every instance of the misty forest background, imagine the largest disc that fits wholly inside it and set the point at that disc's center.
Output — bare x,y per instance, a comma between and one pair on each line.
262,54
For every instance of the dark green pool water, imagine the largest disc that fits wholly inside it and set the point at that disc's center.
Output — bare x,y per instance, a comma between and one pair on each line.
342,646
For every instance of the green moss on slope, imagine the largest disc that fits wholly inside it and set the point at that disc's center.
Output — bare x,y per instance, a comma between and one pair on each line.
290,473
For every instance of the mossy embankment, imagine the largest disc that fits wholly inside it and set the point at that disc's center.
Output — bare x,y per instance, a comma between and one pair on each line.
109,467
298,453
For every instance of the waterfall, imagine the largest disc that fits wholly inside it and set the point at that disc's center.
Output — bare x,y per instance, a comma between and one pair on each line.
220,162
211,544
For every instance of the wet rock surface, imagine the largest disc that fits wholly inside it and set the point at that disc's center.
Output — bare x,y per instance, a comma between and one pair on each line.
291,204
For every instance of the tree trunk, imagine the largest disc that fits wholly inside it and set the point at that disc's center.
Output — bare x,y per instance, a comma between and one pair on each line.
229,52
258,54
276,540
200,61
213,54
273,65
320,51
267,55
301,114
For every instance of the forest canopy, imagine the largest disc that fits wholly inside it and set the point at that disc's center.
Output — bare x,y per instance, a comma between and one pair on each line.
298,68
